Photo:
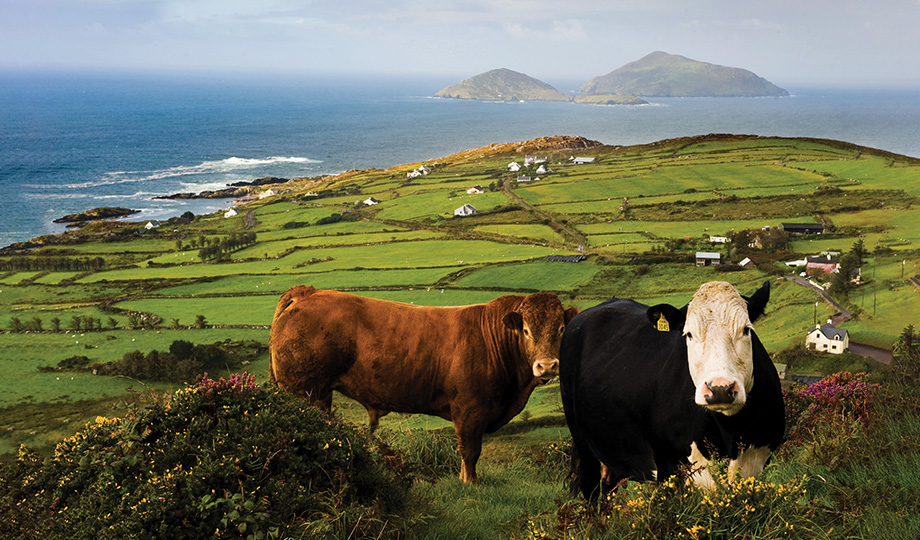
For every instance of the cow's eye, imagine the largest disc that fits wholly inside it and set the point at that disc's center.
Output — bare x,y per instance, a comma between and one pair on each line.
526,331
562,329
688,335
747,330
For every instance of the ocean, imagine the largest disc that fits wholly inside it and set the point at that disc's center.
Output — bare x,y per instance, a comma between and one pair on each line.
74,141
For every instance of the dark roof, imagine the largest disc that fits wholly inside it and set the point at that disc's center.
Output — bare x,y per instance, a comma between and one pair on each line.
802,227
831,331
565,258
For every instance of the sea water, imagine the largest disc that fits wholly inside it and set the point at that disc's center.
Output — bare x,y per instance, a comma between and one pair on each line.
74,141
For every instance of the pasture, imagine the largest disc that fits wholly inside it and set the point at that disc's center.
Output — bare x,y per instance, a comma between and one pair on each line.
155,289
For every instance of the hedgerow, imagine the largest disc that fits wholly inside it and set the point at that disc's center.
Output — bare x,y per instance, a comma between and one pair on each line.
218,459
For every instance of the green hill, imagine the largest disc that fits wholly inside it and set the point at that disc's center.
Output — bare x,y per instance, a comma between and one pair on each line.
667,75
502,85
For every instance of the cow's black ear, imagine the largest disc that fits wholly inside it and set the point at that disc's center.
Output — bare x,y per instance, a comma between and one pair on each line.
667,318
757,302
570,314
514,321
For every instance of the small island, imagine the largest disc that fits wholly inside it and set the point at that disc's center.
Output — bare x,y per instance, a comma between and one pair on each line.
96,214
507,85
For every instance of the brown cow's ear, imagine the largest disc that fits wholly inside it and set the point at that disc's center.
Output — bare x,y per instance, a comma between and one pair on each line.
514,321
570,314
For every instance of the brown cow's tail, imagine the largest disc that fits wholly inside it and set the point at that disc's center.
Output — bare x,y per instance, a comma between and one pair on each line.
288,299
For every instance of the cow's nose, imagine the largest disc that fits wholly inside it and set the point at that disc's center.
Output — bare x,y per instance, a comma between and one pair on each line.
546,369
720,391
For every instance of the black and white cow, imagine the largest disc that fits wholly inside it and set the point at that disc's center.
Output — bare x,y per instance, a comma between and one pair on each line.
648,389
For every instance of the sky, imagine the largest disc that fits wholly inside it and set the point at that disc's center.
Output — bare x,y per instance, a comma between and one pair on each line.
789,42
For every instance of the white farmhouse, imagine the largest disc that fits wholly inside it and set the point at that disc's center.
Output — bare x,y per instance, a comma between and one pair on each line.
465,210
230,213
514,166
152,224
827,338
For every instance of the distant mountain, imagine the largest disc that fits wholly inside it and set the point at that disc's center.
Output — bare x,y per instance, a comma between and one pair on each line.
668,75
502,85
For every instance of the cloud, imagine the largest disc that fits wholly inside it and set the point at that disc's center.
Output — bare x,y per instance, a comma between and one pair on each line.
556,30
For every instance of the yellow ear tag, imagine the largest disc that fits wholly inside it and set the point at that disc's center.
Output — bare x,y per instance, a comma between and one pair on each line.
663,324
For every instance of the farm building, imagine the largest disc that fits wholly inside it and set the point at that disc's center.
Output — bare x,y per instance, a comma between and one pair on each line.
524,178
514,166
825,264
705,258
267,193
827,338
152,224
465,210
230,213
582,160
475,190
803,228
370,201
566,258
746,263
719,239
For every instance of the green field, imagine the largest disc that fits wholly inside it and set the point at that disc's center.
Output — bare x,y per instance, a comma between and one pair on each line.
410,247
155,289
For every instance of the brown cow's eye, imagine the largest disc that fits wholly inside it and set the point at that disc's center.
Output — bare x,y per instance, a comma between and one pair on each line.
747,330
688,335
526,332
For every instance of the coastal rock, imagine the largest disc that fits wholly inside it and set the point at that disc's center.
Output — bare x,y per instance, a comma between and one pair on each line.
235,190
95,214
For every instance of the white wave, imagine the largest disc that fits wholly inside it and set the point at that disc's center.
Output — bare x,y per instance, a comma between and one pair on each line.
227,165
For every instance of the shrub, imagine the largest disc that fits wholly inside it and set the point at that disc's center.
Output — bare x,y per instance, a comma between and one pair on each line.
747,508
828,421
222,458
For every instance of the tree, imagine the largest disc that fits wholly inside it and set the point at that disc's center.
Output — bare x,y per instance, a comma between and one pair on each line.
35,324
840,280
113,324
859,251
200,321
56,324
175,323
906,352
76,322
16,325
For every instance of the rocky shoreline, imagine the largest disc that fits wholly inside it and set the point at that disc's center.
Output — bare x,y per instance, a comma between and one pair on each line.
96,214
232,191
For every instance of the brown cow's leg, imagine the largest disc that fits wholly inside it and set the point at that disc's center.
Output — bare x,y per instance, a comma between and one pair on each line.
469,443
374,416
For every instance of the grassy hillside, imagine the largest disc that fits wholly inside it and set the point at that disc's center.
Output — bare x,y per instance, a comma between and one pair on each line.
112,290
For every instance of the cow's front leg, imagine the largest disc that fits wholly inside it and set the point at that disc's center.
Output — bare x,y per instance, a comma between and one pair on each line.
469,443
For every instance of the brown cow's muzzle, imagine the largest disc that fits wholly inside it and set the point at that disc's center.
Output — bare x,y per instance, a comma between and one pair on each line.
546,369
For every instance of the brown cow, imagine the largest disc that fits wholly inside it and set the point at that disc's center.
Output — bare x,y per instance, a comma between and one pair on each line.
474,365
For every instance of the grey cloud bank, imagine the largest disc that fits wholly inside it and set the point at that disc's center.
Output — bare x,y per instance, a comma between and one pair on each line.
822,42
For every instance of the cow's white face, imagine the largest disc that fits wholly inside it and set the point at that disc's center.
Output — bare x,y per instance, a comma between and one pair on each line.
717,331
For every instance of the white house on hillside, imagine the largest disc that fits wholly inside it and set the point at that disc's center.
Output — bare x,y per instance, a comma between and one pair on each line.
514,166
465,210
230,213
827,338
